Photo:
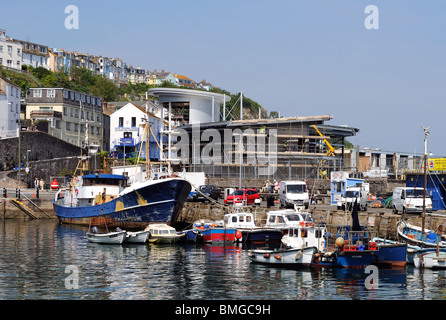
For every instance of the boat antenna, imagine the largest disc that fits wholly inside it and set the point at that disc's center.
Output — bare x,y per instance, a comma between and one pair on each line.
426,134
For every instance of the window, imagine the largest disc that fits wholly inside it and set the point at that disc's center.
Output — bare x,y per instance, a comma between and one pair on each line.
121,121
57,124
127,134
9,49
65,94
76,127
37,93
133,121
65,112
68,126
50,93
1,48
71,112
18,51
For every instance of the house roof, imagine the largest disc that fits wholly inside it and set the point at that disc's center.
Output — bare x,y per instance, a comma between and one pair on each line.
140,108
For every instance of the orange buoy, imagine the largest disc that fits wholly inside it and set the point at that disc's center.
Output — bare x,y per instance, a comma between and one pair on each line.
238,234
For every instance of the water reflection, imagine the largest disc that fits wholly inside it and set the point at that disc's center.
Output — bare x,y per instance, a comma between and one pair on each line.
35,254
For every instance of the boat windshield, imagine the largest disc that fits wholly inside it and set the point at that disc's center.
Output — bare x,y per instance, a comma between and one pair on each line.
296,188
414,193
293,217
351,194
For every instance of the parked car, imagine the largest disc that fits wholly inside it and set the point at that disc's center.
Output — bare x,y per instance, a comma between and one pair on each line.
205,192
248,196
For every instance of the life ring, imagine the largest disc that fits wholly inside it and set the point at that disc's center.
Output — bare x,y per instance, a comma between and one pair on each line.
298,255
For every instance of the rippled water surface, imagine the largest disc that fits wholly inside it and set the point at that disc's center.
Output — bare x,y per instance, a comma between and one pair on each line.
38,260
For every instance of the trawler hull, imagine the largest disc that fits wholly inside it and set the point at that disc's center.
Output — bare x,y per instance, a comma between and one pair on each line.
154,201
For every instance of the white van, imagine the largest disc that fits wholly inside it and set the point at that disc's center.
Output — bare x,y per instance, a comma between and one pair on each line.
410,200
293,193
351,194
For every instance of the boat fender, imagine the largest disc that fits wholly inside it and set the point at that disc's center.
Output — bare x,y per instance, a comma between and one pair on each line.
278,256
238,234
298,255
316,258
266,255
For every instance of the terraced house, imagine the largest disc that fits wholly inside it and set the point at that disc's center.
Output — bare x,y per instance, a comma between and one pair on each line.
72,116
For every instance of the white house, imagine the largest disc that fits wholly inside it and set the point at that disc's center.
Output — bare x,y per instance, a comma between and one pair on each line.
34,54
127,131
10,52
9,109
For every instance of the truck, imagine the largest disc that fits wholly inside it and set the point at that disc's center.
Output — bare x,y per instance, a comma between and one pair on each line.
351,194
410,200
293,193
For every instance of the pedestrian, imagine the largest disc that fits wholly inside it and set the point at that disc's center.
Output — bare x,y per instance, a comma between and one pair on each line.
36,183
42,183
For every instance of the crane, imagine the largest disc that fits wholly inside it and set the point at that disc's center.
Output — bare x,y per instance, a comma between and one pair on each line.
330,151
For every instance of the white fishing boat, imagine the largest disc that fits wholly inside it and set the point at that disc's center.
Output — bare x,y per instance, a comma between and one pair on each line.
116,237
162,233
299,237
251,233
284,257
430,260
285,218
137,236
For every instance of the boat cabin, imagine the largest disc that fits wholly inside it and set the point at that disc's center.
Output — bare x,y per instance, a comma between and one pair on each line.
302,237
239,220
92,189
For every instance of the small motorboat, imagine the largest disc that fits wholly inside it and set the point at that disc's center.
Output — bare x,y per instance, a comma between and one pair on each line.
137,236
285,218
116,237
162,233
430,260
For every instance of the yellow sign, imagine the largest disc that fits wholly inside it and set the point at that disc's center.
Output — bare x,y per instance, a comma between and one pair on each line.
436,164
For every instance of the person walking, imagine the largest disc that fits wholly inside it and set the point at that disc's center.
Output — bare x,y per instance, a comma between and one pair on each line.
42,184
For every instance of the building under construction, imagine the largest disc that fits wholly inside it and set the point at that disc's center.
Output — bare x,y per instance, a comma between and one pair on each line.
280,148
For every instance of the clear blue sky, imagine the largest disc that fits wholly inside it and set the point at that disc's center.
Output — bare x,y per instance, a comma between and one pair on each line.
309,57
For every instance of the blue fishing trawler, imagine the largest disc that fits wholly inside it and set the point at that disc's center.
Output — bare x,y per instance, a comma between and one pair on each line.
105,200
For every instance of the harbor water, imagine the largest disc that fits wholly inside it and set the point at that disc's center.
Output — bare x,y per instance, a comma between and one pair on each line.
41,259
